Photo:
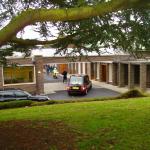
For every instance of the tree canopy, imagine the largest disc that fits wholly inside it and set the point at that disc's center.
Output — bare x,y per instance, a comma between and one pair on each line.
88,25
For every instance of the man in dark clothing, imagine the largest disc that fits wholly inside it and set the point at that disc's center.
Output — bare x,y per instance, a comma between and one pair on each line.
64,76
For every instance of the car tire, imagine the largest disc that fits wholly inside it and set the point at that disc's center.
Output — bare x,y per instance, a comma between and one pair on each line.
86,91
91,87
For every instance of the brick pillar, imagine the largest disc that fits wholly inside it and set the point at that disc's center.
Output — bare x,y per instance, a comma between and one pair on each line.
77,68
89,69
81,69
143,72
114,74
39,74
107,73
101,73
95,70
69,68
85,67
121,75
130,76
1,77
73,68
98,71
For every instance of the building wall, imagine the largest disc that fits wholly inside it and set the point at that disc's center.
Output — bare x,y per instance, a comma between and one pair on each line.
62,67
37,86
1,77
83,65
30,87
79,68
47,60
148,76
39,67
116,72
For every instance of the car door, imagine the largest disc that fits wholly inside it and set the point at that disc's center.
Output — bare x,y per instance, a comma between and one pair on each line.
7,96
1,96
20,95
88,82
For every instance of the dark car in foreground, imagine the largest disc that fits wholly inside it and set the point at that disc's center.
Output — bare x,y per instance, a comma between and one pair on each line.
79,84
17,94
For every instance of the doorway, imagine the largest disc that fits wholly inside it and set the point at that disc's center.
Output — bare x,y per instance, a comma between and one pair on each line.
103,74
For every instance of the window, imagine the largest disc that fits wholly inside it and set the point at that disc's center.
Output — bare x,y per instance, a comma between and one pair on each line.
86,79
7,94
19,74
20,94
76,80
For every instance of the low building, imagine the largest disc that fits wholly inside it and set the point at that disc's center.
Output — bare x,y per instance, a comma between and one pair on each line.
123,72
118,70
26,74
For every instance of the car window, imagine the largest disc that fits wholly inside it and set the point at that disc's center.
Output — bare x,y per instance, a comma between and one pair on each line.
7,94
1,94
76,80
20,94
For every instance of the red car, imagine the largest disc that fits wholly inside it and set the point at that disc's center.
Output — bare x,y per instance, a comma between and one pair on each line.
79,84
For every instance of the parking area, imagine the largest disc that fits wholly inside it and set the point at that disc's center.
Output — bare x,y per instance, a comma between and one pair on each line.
56,90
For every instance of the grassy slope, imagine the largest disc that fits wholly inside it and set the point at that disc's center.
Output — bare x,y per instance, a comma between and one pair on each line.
120,124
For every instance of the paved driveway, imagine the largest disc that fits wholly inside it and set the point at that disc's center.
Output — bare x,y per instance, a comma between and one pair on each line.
56,90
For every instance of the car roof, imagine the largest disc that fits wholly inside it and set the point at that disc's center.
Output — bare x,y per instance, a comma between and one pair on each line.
10,89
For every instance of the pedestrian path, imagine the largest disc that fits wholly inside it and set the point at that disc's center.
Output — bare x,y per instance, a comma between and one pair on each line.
49,79
111,87
53,87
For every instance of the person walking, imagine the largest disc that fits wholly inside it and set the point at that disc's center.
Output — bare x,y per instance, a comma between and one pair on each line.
55,73
64,76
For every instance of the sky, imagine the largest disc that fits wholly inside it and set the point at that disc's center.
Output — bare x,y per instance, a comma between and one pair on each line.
29,33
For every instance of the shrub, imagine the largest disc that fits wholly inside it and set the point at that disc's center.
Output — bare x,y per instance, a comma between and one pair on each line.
131,94
51,102
38,103
15,104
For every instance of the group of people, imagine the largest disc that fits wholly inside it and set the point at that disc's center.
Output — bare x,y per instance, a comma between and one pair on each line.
49,69
53,70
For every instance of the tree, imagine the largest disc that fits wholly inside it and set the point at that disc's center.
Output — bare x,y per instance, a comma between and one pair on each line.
88,24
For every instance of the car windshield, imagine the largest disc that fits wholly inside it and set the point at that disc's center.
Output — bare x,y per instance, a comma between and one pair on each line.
76,80
27,93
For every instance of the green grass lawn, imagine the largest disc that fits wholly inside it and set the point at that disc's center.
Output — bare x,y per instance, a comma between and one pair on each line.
116,124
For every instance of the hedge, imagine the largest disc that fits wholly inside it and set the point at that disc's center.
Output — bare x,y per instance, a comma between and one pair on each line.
15,104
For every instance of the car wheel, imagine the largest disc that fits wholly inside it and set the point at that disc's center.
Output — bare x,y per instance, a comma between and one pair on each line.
86,91
91,87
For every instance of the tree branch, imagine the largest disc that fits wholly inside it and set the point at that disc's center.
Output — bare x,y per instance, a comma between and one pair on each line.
31,16
30,42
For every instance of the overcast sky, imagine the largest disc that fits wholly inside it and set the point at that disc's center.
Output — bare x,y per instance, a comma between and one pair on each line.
29,33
